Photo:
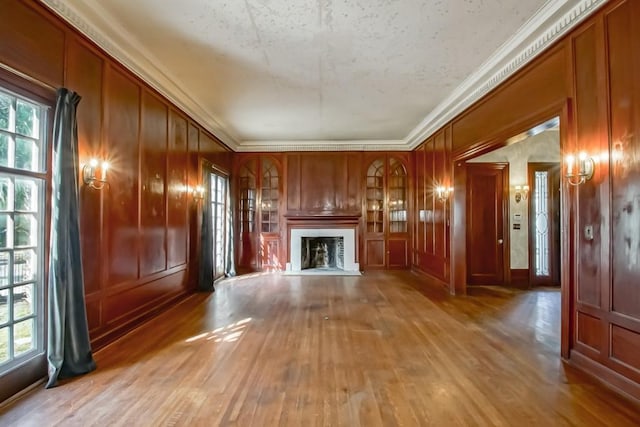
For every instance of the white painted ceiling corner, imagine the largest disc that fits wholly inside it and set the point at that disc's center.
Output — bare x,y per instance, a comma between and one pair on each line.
311,75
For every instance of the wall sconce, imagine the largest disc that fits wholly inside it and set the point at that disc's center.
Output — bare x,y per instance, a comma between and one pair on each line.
585,168
89,174
443,193
198,193
522,191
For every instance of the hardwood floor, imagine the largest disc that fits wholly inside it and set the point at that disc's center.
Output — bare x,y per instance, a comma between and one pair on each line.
374,350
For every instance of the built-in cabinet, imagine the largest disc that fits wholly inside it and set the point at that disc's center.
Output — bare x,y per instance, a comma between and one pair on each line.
259,190
386,219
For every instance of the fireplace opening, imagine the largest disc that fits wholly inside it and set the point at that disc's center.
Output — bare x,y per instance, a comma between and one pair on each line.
322,253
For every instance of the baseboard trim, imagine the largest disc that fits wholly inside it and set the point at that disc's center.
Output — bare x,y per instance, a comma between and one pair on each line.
606,376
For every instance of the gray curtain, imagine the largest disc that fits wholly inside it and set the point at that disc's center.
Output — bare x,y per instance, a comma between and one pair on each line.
205,274
230,266
69,347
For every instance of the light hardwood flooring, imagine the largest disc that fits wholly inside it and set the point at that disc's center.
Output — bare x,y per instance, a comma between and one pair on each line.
382,349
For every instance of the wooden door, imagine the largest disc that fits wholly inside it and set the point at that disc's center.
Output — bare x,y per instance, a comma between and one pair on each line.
486,234
544,223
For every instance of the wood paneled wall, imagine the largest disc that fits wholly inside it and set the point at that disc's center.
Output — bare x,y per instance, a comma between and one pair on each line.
139,234
589,79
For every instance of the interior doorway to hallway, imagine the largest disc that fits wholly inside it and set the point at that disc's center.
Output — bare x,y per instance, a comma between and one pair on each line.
513,223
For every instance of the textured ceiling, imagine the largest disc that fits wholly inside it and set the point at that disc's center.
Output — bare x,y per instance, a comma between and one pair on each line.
267,73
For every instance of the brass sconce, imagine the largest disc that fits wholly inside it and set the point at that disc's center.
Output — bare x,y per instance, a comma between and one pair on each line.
522,192
90,174
580,171
443,193
198,193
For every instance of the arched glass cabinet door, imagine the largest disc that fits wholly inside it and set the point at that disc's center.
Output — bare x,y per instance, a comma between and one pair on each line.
375,197
247,197
269,197
397,190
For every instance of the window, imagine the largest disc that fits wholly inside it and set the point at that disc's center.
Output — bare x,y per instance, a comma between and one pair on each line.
22,178
218,193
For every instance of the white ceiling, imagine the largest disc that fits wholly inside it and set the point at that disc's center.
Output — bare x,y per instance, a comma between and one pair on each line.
323,74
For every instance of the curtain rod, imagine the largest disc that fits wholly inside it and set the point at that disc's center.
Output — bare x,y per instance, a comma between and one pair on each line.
28,77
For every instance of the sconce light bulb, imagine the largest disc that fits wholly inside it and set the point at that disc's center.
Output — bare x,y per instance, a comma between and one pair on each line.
105,166
582,156
518,187
93,162
525,188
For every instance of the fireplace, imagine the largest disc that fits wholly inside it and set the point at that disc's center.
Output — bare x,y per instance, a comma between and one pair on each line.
323,250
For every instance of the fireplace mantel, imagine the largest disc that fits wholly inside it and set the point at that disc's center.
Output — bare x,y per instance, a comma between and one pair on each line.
322,224
322,218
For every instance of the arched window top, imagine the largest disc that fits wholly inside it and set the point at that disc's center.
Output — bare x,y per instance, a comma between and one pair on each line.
269,169
376,168
396,167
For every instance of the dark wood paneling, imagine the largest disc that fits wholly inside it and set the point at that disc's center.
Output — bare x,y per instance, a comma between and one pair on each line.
194,222
153,173
430,202
520,278
398,253
439,175
31,43
587,133
292,188
542,84
177,196
84,76
625,347
330,182
122,108
589,331
374,253
119,305
624,69
421,195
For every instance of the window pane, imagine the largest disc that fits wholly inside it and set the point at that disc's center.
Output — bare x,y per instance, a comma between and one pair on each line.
23,337
4,345
23,301
24,265
4,229
4,268
26,154
5,112
26,195
25,230
4,306
27,119
5,184
4,149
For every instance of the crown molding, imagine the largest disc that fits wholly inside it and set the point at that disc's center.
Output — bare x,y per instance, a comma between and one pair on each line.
323,145
548,25
143,65
544,27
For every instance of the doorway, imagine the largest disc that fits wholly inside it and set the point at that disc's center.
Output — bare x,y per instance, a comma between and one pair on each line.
530,214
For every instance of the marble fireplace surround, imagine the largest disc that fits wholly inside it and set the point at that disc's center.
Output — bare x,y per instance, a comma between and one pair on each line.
316,226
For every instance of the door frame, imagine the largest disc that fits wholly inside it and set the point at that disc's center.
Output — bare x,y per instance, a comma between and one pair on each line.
457,283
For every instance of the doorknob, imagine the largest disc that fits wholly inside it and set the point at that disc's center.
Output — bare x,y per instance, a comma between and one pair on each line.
499,241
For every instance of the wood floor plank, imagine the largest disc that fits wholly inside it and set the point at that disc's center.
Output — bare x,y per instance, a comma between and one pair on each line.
382,349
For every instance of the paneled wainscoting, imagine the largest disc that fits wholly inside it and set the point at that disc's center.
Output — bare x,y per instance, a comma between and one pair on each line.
380,349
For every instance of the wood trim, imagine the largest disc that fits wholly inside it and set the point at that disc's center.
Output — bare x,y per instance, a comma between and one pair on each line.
520,278
605,376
